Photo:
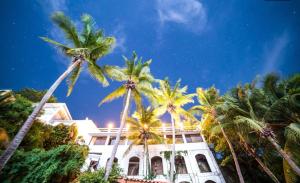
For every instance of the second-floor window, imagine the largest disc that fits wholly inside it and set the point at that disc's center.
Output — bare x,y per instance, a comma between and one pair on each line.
178,139
112,140
193,138
99,140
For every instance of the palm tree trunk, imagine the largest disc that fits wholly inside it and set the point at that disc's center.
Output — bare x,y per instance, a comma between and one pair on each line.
115,148
147,158
28,123
264,167
237,166
285,156
173,151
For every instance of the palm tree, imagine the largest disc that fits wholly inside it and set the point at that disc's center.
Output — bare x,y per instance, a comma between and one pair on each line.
88,46
254,112
137,80
172,100
208,101
250,150
144,129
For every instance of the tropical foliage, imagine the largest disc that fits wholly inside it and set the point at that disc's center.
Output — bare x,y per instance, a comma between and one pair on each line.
144,127
137,81
98,176
87,47
172,99
266,119
252,125
60,164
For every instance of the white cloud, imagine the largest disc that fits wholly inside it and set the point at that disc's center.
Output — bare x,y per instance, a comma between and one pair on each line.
49,7
53,5
120,36
274,51
188,13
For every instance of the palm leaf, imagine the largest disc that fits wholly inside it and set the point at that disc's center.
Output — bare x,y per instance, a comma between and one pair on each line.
63,47
119,92
97,73
292,132
68,27
73,78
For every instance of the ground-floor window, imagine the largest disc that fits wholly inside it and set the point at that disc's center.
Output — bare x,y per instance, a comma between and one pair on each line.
180,165
202,163
93,165
157,165
115,161
133,166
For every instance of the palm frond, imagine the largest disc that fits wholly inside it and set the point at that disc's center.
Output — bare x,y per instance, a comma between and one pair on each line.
115,73
97,73
73,78
137,99
68,27
255,125
292,132
63,47
119,92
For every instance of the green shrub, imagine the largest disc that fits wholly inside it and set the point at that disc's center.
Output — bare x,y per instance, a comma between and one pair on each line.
59,165
98,176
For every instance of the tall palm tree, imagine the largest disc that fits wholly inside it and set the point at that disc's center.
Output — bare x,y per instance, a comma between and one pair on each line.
137,80
87,47
172,100
257,113
208,101
251,151
144,129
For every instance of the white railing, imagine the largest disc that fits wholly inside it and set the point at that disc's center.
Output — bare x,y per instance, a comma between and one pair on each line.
163,129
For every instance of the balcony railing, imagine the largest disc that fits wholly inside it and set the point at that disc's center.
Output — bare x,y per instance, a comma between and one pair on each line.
163,129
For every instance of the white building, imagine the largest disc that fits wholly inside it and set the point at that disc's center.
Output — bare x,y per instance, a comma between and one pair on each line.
194,161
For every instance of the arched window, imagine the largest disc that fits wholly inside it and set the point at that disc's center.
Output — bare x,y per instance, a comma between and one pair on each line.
210,181
115,161
133,166
157,165
180,165
202,163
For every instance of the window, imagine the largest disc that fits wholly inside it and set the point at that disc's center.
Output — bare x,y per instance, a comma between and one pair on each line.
202,163
169,139
99,140
178,139
157,165
192,138
93,165
210,181
133,166
180,165
112,140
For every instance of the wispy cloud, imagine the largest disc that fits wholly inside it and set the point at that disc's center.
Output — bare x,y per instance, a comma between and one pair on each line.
120,36
189,13
274,52
48,7
53,5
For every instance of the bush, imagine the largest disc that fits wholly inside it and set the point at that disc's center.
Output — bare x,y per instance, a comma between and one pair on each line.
98,176
59,165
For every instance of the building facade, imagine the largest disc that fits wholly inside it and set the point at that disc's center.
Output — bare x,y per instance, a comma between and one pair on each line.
194,161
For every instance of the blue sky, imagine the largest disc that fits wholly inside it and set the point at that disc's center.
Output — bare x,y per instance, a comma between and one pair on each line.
204,43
